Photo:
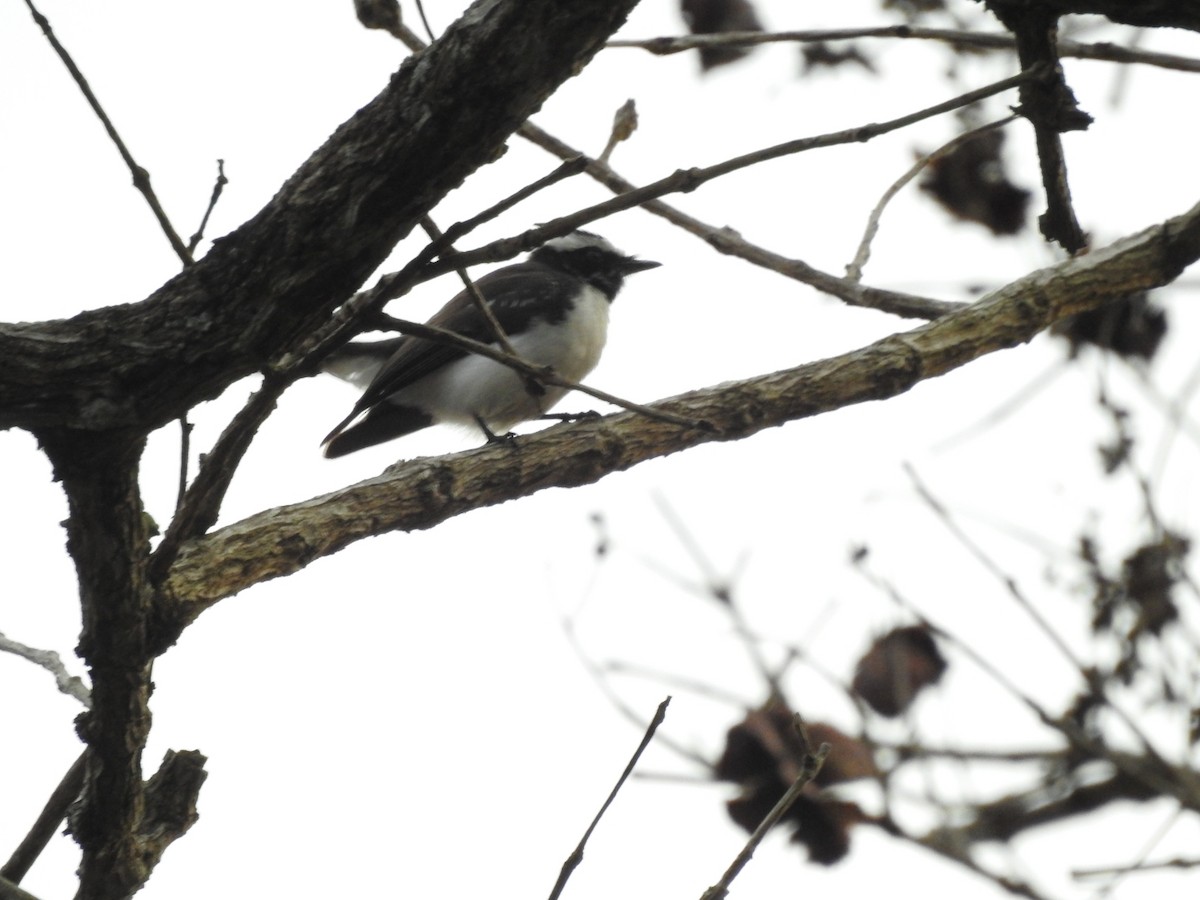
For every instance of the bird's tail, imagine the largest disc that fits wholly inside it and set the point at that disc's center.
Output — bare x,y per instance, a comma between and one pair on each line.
381,423
358,361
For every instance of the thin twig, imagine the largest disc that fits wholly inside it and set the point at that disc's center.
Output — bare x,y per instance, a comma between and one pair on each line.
726,240
1117,876
141,178
71,685
481,304
854,270
911,751
185,452
10,891
218,187
532,385
348,320
678,682
572,862
812,765
1178,862
425,20
596,671
625,123
201,503
46,825
948,849
1019,399
1152,770
1103,51
1010,585
721,590
1086,673
687,180
543,374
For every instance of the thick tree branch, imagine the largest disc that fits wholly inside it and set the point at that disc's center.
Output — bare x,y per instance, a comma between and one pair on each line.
422,493
108,537
277,277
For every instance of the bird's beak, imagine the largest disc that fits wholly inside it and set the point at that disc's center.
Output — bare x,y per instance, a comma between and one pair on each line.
631,265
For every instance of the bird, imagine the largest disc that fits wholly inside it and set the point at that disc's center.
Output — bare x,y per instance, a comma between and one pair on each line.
553,307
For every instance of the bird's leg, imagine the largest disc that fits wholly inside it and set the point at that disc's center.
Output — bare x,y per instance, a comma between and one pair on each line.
492,437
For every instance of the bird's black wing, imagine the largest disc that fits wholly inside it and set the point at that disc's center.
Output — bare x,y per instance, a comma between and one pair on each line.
516,294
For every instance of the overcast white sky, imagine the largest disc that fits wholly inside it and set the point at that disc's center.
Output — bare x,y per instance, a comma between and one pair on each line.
409,717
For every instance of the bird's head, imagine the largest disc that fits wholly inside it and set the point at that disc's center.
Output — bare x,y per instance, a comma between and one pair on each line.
592,258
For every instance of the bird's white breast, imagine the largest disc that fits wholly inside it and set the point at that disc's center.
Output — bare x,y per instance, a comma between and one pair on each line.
573,346
475,386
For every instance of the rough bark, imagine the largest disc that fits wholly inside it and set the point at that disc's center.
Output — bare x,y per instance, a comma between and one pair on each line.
92,387
445,113
425,492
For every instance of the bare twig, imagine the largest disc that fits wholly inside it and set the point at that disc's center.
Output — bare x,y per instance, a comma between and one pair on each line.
854,269
349,319
726,240
541,374
720,589
185,452
1086,673
625,123
808,771
1152,770
10,891
425,20
572,862
910,751
598,674
481,305
944,846
686,180
1019,399
1103,51
678,682
71,685
141,178
1117,876
201,503
47,823
218,187
1010,585
1177,862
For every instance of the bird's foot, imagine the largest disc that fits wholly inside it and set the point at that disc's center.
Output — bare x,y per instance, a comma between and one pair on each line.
508,437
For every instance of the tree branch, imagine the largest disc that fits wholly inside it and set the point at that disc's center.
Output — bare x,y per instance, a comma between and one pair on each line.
277,278
572,862
108,538
141,178
1103,51
1050,106
46,825
425,492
